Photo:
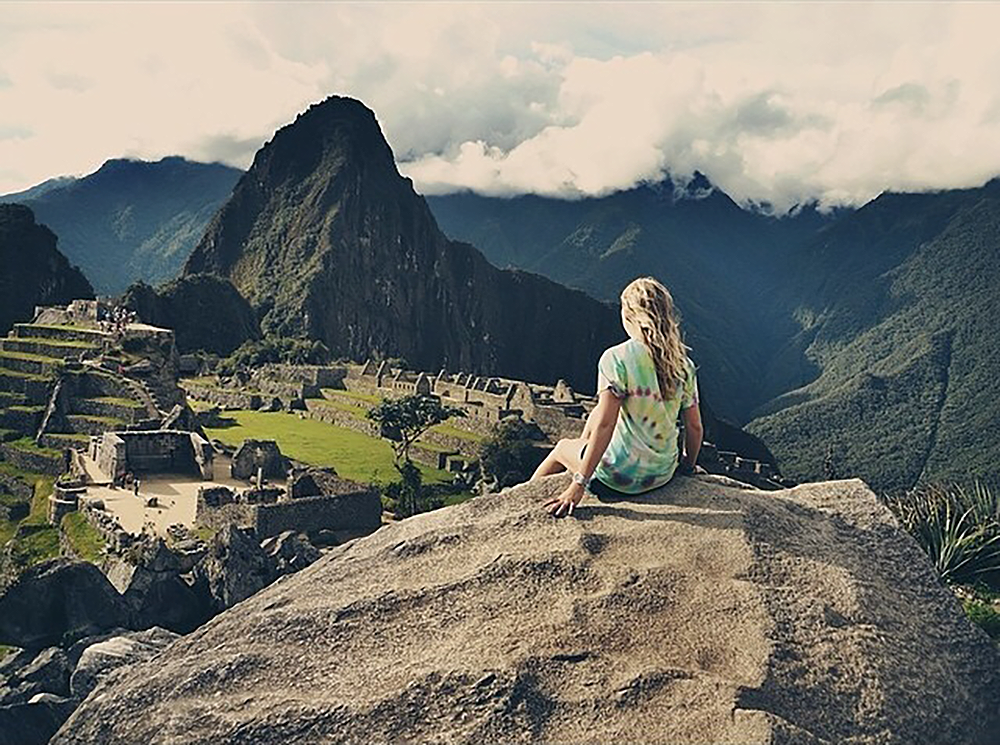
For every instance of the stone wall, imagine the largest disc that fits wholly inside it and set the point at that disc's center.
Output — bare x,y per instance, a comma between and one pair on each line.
224,398
359,512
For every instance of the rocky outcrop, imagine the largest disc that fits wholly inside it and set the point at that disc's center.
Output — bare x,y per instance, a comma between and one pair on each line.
234,569
57,601
34,271
326,239
104,657
700,613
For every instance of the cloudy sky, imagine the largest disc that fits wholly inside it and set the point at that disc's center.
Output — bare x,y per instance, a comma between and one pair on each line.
776,102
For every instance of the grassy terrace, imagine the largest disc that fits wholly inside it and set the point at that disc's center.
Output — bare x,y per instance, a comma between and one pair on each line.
79,344
118,401
63,327
362,399
27,444
5,372
354,455
42,543
29,356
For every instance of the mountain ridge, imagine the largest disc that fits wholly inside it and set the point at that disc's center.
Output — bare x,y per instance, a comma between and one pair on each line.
131,219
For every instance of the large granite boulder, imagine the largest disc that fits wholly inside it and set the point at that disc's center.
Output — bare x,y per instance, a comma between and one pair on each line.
262,456
699,613
57,601
234,569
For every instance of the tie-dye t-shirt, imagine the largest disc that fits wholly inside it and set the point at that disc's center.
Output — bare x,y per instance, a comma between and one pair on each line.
642,454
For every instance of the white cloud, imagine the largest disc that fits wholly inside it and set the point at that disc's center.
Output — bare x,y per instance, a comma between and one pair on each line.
776,103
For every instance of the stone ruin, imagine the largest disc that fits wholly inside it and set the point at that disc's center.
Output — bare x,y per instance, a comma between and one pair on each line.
487,400
152,451
256,458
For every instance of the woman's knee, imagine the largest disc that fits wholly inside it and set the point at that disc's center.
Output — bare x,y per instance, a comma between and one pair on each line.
568,453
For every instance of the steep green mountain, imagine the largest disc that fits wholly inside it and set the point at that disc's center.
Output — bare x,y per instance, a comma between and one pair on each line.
899,310
325,238
132,220
205,312
34,272
722,263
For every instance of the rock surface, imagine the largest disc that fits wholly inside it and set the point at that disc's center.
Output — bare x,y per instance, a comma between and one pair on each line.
698,613
57,601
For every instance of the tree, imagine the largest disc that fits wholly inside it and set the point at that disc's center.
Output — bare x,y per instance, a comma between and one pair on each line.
402,421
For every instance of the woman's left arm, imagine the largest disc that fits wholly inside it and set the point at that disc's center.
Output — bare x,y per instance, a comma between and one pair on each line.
600,427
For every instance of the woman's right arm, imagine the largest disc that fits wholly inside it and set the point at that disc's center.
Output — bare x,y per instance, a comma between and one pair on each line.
693,433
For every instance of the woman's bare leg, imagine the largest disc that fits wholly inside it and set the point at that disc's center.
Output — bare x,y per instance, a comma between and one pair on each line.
565,456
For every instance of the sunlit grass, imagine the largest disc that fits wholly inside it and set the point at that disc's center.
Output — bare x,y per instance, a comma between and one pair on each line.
356,456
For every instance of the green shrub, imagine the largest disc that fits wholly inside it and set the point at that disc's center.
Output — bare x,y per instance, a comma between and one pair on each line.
509,456
959,528
285,350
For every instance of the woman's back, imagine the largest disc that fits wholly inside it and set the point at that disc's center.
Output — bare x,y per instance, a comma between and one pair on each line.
643,453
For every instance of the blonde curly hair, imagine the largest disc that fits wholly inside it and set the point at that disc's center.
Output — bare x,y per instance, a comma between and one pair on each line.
648,305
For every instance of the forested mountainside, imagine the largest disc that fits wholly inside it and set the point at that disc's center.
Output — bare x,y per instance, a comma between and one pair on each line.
862,342
720,262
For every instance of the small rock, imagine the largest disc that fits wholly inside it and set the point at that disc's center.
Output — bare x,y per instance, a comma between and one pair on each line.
34,722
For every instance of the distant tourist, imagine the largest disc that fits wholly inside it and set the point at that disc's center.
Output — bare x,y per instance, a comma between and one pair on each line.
135,487
629,444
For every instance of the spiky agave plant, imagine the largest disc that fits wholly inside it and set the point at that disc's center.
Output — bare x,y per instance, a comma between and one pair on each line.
958,528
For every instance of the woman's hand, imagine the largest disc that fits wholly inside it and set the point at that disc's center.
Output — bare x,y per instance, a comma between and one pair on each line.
565,502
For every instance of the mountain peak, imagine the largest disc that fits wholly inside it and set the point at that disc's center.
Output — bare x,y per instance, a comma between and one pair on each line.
324,237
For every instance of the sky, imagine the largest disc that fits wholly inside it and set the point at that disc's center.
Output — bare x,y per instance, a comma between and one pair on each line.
778,103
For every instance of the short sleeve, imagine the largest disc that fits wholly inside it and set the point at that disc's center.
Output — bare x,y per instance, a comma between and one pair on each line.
689,393
611,374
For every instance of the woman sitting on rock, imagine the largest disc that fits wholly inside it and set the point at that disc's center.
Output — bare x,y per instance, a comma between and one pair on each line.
629,443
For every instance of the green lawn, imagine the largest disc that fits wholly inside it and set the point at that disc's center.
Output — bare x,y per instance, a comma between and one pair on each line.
450,429
354,455
118,401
